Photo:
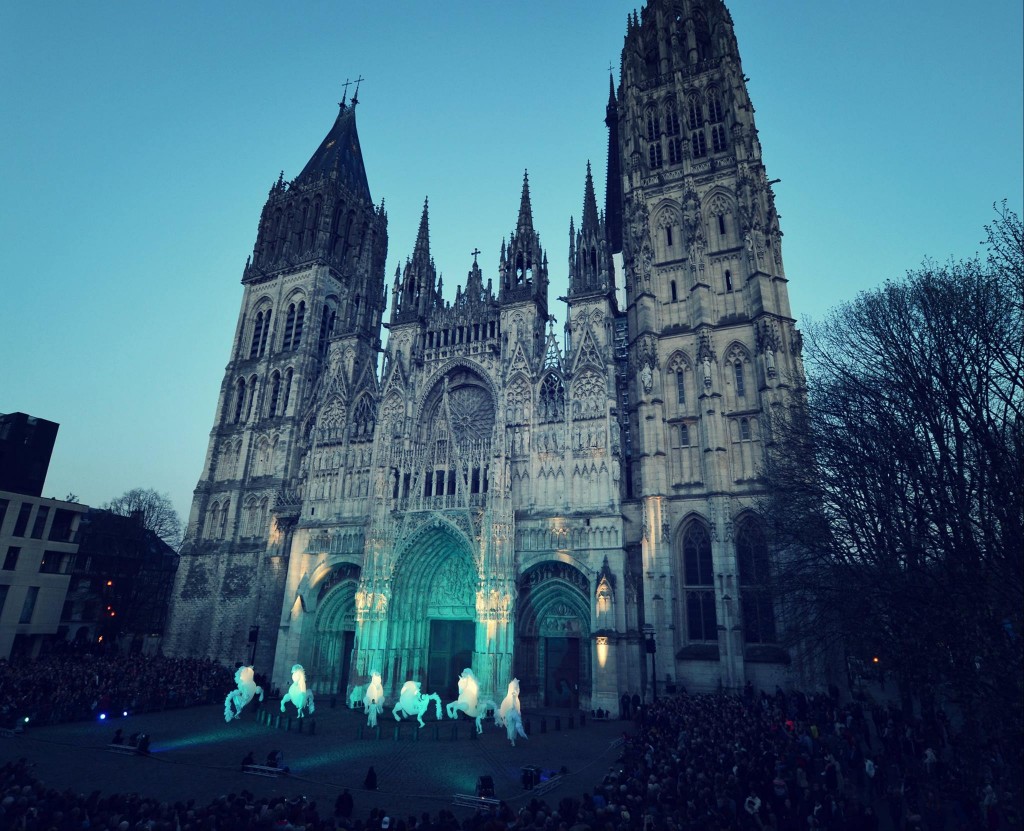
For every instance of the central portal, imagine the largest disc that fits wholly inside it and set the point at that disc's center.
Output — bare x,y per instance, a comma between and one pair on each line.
451,651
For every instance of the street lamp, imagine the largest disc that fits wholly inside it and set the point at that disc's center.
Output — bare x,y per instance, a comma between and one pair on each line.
652,650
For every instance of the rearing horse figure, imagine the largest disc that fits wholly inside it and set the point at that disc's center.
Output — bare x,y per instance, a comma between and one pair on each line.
298,694
237,699
468,701
412,702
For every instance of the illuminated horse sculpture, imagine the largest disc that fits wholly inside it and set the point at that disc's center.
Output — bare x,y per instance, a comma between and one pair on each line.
412,702
468,701
355,698
237,699
298,694
510,715
373,701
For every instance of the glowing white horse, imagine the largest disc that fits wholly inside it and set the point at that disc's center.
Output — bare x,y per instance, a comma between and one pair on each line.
468,701
510,714
298,694
412,702
237,699
373,701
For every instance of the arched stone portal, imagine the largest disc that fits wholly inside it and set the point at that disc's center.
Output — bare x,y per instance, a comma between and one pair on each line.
433,621
553,661
334,633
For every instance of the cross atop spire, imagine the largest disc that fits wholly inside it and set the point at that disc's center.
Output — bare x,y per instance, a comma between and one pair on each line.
355,95
344,95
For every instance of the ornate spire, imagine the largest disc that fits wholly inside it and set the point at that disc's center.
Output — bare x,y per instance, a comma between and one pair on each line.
422,245
590,220
525,221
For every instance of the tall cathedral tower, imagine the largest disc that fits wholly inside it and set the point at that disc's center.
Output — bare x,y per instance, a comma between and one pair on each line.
712,341
313,297
489,495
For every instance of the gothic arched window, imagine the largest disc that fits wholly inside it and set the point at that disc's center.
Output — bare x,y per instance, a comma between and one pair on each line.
552,398
293,325
671,119
257,332
275,393
745,434
718,138
239,399
714,107
684,435
741,386
681,387
287,391
364,419
698,577
326,329
754,575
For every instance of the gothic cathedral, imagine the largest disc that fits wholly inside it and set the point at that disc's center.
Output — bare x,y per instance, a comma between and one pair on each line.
580,513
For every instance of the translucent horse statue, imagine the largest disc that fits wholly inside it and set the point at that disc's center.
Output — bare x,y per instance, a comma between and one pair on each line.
298,694
468,701
355,698
373,701
412,702
237,699
510,713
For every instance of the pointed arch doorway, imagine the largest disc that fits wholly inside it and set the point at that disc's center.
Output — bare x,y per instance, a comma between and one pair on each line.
433,609
552,660
334,633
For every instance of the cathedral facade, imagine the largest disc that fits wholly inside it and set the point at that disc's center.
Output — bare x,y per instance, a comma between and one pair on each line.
580,512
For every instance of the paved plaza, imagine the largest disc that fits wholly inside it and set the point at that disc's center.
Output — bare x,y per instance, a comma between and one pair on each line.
195,755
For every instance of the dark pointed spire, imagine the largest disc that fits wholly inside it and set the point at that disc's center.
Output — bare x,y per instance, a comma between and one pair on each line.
589,222
422,245
340,151
525,209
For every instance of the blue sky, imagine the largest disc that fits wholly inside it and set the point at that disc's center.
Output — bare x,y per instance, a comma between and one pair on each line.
141,140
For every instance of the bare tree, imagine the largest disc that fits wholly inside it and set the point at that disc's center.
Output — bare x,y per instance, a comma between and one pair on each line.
158,514
898,481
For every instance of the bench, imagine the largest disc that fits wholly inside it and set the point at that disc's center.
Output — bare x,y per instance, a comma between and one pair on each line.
264,770
467,800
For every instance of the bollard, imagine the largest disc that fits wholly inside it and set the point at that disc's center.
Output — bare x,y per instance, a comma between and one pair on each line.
455,732
376,730
472,732
416,734
543,724
288,724
436,727
301,724
312,728
558,722
359,732
334,701
398,732
277,720
583,719
571,723
527,727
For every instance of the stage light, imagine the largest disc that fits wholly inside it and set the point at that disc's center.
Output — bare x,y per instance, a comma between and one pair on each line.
125,713
103,716
26,719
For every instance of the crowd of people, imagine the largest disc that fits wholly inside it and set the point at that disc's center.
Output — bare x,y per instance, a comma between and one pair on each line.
751,762
74,686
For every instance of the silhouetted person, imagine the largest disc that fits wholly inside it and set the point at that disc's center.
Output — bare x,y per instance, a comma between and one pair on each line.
118,736
343,804
370,782
250,759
